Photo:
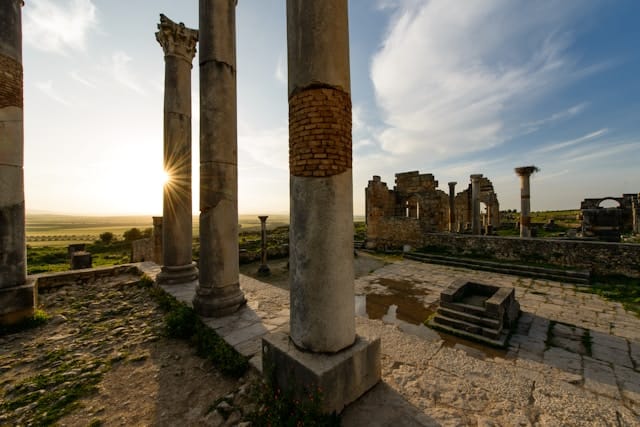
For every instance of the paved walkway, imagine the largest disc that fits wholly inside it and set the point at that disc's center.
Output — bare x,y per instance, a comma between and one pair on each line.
574,359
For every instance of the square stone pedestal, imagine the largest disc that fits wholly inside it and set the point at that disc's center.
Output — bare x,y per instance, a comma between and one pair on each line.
340,377
17,303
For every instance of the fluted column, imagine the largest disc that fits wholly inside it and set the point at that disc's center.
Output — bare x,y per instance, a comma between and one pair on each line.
524,173
179,46
475,203
452,206
218,292
17,298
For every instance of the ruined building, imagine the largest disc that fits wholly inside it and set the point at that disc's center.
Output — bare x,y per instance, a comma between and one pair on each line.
416,206
608,223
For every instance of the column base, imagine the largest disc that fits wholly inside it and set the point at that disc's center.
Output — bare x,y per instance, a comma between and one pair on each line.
17,303
210,302
341,377
175,275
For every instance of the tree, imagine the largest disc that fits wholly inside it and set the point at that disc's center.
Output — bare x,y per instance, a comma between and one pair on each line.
132,234
107,237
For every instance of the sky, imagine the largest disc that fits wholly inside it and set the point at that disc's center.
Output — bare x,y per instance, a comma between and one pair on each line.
444,87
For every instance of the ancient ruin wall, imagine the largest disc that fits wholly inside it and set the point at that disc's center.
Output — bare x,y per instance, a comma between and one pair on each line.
599,257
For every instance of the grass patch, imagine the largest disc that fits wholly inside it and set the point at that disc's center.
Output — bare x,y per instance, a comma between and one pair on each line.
39,318
182,322
623,289
53,394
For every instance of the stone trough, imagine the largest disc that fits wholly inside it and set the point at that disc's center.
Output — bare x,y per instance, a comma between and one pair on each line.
477,311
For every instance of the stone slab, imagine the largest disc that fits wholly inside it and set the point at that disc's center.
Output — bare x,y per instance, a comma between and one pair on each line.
347,374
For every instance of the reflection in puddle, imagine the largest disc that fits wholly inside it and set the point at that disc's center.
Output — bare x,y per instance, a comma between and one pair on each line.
391,316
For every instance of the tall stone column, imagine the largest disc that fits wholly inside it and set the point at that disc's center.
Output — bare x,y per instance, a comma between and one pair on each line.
179,46
17,297
475,203
218,292
264,268
524,172
321,221
157,239
452,206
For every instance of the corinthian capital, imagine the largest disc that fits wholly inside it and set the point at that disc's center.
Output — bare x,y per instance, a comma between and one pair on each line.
176,39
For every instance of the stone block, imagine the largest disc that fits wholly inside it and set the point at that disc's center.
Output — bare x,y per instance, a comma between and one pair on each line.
80,260
17,303
340,377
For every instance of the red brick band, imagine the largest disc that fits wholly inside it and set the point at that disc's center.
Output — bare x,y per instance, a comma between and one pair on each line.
10,82
319,132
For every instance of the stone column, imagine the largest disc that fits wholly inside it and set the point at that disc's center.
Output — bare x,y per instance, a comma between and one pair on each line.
17,297
157,239
524,173
218,291
327,354
475,203
452,207
264,268
179,46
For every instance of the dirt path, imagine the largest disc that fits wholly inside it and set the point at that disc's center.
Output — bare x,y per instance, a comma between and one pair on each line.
102,359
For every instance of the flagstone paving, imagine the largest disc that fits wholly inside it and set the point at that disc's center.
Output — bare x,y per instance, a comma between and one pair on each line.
573,360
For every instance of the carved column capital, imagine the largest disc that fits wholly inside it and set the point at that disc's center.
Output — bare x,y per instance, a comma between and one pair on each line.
176,39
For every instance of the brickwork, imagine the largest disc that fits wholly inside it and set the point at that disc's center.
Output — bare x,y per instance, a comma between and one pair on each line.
10,82
319,132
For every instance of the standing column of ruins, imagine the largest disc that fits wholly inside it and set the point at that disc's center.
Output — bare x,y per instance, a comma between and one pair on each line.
452,206
327,355
524,173
17,297
218,292
179,46
475,203
264,268
321,189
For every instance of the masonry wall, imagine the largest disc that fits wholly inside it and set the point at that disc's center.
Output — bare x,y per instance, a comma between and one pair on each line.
390,231
599,257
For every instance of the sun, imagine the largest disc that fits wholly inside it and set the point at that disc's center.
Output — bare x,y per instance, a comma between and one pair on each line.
164,177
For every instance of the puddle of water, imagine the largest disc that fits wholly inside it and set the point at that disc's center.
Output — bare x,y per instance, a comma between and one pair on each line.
408,307
403,286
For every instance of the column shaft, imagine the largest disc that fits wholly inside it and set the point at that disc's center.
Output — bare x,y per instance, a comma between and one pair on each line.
264,268
524,172
452,207
321,193
475,203
178,43
218,291
17,298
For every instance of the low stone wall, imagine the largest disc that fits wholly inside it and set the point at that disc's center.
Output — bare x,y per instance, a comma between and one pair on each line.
53,280
389,231
598,257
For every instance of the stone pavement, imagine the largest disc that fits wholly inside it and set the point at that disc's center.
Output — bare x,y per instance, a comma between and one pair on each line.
574,359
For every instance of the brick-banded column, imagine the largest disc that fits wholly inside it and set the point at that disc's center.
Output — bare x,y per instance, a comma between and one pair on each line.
524,173
475,203
452,206
17,298
327,354
321,198
179,46
218,292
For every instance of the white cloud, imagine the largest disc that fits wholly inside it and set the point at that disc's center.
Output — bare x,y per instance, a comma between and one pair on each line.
59,28
123,73
447,75
281,70
77,77
267,147
555,117
47,89
572,142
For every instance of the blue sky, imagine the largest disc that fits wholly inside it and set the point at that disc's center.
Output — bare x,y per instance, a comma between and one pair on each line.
444,87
